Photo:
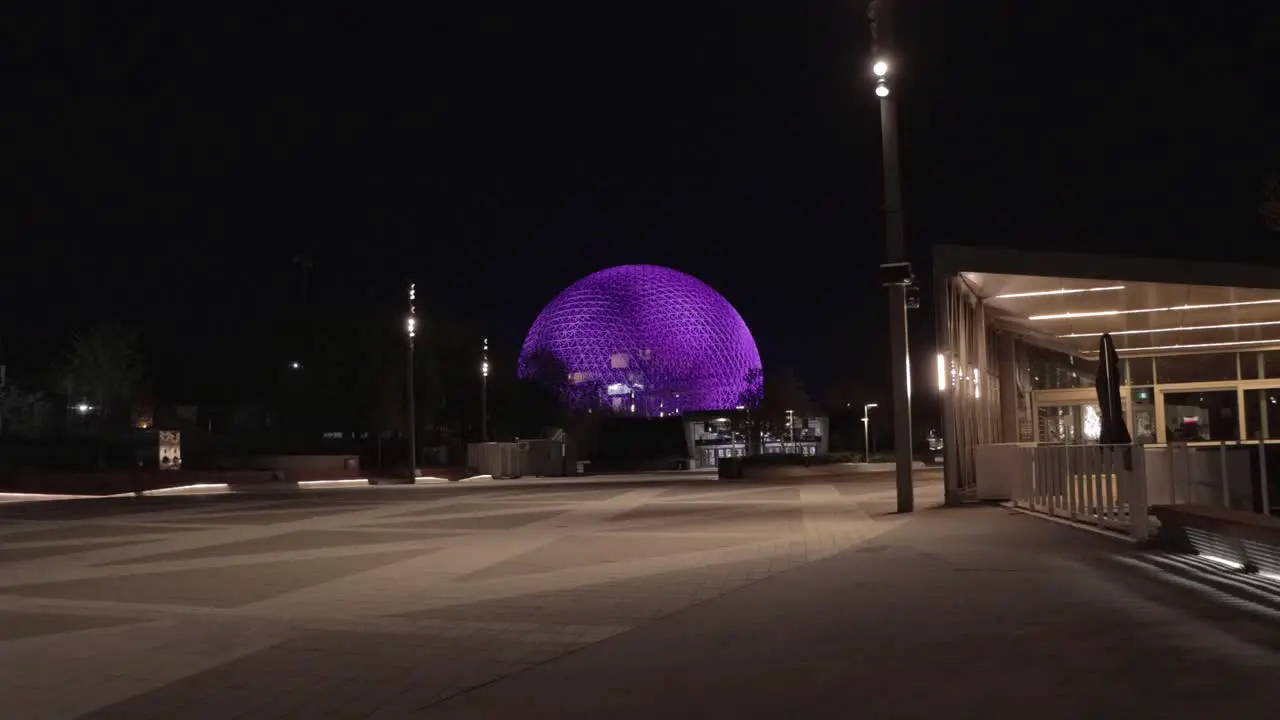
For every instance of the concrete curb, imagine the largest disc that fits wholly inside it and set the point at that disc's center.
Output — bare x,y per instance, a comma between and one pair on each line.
1068,523
884,466
202,489
431,480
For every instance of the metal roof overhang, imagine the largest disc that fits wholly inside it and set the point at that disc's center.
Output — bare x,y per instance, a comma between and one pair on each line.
1150,306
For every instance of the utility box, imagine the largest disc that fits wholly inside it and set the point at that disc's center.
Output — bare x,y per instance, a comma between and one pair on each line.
501,460
544,458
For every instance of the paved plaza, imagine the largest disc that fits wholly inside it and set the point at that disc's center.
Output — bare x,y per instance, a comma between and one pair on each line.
666,598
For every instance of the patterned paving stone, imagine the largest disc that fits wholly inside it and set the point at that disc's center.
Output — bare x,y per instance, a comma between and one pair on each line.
737,518
120,509
252,618
466,508
288,503
20,625
621,601
674,511
503,521
217,587
578,551
774,494
776,520
299,540
86,532
325,670
21,553
262,518
580,495
681,491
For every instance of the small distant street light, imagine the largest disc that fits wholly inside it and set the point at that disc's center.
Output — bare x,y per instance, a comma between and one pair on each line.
880,68
295,365
84,408
866,430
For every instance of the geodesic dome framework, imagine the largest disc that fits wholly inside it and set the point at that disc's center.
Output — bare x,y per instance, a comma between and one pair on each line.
645,339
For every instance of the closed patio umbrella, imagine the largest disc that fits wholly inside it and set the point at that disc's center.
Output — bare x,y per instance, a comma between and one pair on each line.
1108,382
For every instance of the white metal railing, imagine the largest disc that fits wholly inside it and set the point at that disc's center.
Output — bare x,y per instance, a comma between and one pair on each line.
1105,485
1228,474
1102,485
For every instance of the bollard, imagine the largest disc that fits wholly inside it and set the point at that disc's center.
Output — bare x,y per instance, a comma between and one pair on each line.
1262,477
1222,472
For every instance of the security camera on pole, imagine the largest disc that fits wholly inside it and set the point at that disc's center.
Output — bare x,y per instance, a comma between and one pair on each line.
896,272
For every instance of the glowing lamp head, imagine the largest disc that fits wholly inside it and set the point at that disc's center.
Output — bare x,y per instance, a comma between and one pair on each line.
880,68
882,90
82,408
412,326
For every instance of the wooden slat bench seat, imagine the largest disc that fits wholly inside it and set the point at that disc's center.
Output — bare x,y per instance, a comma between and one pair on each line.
1249,538
1240,524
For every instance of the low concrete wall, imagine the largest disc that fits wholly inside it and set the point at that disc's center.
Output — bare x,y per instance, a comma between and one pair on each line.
883,466
110,482
782,472
302,468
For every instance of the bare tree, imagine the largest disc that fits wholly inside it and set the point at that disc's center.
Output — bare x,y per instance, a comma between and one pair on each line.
784,394
15,403
105,369
1270,208
752,394
547,370
748,423
849,394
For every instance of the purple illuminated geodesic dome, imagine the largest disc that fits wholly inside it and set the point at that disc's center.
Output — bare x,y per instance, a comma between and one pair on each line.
644,339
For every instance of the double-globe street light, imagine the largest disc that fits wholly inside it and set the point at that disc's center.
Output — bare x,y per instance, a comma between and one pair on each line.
411,327
484,392
896,271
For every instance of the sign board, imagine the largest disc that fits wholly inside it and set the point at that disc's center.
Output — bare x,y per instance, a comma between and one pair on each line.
170,449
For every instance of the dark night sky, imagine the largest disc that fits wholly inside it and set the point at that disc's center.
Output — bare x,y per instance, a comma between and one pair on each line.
167,163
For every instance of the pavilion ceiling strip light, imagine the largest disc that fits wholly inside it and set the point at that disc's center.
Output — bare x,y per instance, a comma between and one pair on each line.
1186,328
1175,308
1064,291
1194,346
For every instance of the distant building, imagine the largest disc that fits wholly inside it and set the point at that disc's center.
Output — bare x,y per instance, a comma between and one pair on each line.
711,436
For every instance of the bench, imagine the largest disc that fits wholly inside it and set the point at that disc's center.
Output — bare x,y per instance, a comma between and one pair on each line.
1249,539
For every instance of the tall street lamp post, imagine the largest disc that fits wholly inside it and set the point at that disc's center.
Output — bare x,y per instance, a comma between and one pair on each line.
412,328
897,270
866,431
484,392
